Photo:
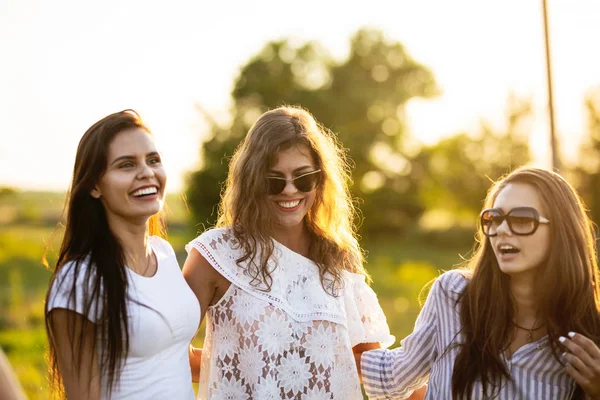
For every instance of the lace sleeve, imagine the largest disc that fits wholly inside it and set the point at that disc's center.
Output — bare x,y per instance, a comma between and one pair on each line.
366,320
295,288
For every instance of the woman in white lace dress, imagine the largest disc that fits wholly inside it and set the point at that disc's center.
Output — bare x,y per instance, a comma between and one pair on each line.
280,280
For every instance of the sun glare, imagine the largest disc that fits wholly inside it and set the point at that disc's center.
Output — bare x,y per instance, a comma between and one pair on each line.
163,61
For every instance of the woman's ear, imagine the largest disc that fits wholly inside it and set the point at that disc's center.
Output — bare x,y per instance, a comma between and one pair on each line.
95,193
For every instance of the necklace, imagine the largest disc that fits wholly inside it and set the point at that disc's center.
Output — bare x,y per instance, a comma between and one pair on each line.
530,330
147,265
150,262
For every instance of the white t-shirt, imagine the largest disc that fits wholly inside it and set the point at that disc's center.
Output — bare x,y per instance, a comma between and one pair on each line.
293,341
160,327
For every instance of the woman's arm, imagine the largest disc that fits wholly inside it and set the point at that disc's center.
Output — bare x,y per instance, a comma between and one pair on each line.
81,381
208,286
418,394
359,349
403,371
10,389
195,356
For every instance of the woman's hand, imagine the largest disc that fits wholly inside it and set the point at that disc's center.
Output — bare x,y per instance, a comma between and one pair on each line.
195,357
582,362
419,394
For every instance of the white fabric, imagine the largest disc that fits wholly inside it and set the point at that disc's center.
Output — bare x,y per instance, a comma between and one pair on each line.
294,341
160,328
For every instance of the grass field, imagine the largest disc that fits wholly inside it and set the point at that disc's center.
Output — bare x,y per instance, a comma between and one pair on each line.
400,267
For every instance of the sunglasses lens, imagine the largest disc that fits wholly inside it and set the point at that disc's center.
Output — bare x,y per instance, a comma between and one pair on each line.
306,183
490,220
276,186
522,221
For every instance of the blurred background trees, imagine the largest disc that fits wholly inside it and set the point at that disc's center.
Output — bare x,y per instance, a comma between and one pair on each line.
362,99
461,168
587,170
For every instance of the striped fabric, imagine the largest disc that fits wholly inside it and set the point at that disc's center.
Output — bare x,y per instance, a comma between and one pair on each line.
428,354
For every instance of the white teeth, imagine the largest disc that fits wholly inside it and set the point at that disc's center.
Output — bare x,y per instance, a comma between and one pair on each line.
145,191
288,204
508,249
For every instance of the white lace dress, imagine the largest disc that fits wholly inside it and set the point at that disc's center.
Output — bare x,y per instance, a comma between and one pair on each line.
292,342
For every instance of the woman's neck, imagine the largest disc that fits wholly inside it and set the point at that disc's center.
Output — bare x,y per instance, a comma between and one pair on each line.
295,238
529,325
134,241
526,304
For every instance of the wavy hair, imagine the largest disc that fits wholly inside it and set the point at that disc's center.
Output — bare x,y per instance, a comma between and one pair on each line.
330,221
88,239
567,286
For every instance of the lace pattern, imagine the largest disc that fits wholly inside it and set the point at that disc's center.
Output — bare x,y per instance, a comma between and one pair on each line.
296,286
294,341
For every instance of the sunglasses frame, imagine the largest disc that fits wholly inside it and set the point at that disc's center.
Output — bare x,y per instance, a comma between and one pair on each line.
286,180
537,218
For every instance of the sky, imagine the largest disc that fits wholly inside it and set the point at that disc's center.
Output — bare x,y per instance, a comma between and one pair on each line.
66,64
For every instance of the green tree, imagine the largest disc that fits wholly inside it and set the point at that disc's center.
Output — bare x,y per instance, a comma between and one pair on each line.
6,191
362,99
461,168
587,171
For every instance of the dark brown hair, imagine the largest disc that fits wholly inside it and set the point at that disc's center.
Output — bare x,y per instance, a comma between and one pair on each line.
89,240
567,286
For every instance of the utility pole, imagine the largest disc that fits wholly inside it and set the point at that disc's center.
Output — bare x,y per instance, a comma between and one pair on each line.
553,138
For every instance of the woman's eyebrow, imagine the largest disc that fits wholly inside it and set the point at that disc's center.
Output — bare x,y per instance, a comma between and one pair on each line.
131,157
120,158
297,170
304,168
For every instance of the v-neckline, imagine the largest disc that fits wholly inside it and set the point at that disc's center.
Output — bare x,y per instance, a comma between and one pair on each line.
285,248
527,346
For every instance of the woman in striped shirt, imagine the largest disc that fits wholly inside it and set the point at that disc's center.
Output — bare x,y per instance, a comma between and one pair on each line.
504,326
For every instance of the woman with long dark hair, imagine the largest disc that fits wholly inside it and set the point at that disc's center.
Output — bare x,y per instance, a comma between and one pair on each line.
280,279
521,320
119,315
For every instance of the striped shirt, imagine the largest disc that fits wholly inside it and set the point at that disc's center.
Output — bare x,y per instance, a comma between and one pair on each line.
426,354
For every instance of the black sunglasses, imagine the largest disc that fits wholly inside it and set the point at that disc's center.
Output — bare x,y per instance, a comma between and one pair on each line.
522,221
304,183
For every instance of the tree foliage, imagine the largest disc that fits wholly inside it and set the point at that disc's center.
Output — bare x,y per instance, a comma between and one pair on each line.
361,99
587,171
462,168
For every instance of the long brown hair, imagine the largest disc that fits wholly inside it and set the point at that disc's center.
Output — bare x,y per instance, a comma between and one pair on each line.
567,286
330,220
89,240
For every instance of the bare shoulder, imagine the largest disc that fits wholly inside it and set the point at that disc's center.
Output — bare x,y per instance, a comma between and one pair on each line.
208,284
202,254
197,266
